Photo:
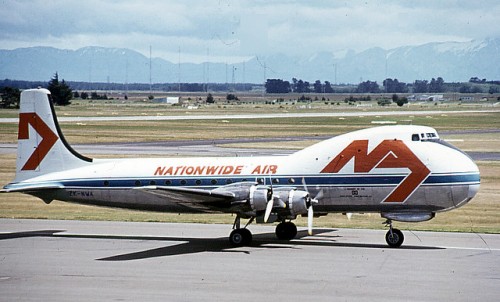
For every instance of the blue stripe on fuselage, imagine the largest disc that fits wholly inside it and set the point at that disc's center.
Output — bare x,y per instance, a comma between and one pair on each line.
291,180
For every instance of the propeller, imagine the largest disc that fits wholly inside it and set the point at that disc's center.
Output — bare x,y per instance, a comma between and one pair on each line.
270,202
309,204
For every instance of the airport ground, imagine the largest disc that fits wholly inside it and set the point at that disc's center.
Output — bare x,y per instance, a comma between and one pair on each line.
134,261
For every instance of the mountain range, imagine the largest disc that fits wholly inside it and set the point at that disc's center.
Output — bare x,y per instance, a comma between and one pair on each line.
453,61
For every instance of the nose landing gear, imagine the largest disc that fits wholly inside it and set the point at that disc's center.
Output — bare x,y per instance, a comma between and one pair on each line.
393,237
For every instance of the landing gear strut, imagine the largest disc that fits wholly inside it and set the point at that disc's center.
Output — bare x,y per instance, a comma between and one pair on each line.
393,237
240,236
286,230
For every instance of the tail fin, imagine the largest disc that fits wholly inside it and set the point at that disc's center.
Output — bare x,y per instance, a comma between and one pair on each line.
41,147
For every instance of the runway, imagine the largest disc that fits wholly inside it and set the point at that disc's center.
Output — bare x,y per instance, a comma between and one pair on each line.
253,116
212,147
88,261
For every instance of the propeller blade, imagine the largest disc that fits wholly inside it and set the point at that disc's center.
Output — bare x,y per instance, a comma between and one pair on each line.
310,215
318,196
304,184
269,206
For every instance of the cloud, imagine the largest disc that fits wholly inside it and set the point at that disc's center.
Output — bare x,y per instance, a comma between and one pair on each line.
229,30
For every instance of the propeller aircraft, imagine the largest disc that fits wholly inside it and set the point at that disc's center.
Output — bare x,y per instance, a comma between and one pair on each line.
404,172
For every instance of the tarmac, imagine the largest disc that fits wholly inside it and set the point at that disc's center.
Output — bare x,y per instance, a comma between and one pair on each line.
124,261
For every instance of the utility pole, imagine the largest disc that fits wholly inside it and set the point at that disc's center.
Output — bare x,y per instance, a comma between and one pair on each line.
179,70
150,69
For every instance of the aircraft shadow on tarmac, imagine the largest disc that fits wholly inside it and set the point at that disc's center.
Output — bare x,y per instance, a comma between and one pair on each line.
198,245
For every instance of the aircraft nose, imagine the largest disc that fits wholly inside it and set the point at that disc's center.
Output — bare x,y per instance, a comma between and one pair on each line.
474,188
471,176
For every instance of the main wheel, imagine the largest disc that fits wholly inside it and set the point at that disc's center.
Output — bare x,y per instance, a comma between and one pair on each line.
240,237
286,231
394,239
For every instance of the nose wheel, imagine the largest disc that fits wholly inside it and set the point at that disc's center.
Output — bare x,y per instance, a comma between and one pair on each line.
393,237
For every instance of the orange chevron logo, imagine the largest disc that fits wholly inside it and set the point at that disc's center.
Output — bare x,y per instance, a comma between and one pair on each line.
388,154
49,138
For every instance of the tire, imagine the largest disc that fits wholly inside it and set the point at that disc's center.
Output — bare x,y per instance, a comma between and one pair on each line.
395,239
286,231
240,237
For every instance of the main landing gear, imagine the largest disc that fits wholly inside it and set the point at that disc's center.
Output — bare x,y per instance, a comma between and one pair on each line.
286,230
393,237
240,236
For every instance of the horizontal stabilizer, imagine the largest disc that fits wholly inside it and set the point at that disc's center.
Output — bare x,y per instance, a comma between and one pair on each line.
27,188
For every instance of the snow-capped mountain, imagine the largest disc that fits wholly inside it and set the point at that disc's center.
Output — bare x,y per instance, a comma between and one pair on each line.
453,61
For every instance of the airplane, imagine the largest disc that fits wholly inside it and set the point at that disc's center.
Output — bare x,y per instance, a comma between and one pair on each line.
405,173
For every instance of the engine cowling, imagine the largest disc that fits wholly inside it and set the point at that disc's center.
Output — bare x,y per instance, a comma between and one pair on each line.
259,196
298,202
295,201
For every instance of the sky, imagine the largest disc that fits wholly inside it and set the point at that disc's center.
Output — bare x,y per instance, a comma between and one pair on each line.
232,31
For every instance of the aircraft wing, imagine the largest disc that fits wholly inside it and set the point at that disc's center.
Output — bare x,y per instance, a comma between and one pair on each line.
189,195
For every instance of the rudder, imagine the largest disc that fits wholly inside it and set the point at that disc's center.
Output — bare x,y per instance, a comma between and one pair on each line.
41,147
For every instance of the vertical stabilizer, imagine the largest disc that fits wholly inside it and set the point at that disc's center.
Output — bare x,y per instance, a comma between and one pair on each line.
41,147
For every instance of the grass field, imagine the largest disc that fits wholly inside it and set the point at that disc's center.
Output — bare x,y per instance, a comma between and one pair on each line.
482,214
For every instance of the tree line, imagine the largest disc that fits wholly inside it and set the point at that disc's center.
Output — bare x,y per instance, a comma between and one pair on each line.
435,85
184,87
60,92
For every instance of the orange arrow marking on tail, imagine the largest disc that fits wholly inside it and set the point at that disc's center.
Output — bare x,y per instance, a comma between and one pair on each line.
388,154
48,138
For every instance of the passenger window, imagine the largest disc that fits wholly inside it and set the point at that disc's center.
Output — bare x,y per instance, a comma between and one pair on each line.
415,138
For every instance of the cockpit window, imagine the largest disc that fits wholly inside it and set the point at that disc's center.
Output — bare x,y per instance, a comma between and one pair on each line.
431,136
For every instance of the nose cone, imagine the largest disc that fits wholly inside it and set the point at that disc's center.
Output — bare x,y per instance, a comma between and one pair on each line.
469,171
476,180
456,171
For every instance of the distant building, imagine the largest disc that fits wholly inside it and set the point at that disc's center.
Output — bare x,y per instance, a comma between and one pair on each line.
427,98
466,98
436,97
171,100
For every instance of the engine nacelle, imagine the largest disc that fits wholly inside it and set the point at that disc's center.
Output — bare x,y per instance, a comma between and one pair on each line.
295,201
298,202
259,196
291,201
